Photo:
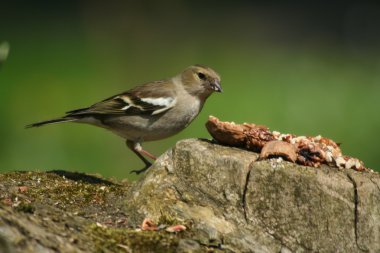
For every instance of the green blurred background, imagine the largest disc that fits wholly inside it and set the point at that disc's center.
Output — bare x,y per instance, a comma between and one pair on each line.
295,67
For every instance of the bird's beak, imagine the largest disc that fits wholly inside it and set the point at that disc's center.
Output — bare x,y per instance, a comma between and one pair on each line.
216,86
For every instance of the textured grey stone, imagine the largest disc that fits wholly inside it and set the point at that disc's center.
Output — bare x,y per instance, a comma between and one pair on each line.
262,206
188,246
229,202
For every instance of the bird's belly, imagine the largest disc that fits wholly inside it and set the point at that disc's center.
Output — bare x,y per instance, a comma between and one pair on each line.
150,128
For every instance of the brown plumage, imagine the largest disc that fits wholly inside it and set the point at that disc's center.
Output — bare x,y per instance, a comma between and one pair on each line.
151,111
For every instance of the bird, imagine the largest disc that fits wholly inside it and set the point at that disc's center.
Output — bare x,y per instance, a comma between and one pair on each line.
151,111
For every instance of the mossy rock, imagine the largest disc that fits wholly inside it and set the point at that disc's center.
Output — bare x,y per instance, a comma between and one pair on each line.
228,201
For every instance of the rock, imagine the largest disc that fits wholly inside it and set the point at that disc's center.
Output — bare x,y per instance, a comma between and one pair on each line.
4,246
261,206
188,246
227,200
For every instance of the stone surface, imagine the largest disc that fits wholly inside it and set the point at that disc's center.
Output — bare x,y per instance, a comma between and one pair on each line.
228,200
262,206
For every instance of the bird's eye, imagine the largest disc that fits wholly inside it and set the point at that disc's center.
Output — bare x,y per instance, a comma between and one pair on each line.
201,76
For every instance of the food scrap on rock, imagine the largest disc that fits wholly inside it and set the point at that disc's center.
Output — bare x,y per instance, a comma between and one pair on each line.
148,225
304,150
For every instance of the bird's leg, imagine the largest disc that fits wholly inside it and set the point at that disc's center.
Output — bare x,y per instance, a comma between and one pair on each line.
144,152
137,149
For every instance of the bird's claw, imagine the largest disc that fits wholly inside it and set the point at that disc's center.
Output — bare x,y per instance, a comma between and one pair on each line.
141,170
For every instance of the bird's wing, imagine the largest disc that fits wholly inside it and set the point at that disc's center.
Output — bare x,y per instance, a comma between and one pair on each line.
150,98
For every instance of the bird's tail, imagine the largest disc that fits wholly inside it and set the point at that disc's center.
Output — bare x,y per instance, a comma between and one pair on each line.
51,121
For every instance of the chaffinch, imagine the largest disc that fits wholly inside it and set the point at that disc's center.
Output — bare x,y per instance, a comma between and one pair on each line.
151,111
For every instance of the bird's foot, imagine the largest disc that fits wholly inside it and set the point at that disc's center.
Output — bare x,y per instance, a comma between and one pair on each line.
141,170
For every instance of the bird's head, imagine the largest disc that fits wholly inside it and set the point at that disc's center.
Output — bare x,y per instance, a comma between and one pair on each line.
201,80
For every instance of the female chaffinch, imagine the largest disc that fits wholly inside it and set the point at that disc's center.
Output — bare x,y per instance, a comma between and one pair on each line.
151,111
